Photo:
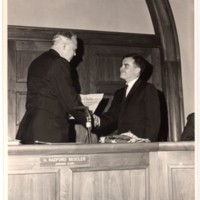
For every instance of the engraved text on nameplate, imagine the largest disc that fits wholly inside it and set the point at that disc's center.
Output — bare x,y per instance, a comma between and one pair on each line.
83,160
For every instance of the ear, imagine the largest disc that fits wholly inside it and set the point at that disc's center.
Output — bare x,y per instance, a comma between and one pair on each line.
138,70
65,46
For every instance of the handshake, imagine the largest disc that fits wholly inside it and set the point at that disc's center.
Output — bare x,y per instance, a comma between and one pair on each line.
89,116
96,120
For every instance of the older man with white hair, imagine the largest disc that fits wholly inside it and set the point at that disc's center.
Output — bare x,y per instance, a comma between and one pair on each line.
50,96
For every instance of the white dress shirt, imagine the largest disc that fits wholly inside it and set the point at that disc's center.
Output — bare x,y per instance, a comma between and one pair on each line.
130,85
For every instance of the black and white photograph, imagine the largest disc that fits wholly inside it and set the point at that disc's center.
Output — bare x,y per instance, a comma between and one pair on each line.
99,99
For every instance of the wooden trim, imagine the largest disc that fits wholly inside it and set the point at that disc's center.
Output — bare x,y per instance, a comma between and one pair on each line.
64,148
89,37
165,29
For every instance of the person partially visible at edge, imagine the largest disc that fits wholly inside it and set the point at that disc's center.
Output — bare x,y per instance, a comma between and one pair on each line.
50,95
188,133
135,109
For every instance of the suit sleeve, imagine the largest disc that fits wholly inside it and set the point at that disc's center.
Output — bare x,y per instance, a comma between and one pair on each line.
152,113
67,95
109,118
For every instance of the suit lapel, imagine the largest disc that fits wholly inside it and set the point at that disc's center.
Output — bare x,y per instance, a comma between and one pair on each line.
134,88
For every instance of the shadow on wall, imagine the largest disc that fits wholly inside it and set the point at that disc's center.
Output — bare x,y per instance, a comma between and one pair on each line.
146,74
164,128
75,63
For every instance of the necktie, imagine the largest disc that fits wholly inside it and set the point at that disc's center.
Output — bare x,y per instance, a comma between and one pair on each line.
124,97
126,90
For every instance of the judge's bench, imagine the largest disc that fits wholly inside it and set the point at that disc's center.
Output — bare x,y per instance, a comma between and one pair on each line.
141,171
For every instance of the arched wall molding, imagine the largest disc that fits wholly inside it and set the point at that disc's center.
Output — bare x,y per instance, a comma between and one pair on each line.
165,29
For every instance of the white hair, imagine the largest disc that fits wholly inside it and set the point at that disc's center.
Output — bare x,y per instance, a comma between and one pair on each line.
62,37
65,44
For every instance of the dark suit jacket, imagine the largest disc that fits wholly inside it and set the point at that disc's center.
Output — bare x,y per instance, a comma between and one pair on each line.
50,99
139,112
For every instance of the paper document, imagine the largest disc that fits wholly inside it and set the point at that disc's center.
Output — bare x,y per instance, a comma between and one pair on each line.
91,100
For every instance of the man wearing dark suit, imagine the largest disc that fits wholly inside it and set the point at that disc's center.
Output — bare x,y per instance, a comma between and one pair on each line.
135,109
50,96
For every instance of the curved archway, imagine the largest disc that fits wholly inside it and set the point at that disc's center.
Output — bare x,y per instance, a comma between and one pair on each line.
165,30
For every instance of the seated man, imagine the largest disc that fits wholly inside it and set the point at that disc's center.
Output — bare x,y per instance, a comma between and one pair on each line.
188,132
134,108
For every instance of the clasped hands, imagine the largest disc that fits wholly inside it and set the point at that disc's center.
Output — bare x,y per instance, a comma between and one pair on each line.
97,120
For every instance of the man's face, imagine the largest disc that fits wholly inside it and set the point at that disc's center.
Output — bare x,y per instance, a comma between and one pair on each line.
69,50
129,70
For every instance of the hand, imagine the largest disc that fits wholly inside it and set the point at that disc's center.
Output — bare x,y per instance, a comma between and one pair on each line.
97,120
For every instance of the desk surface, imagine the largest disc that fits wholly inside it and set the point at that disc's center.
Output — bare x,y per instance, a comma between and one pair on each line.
72,148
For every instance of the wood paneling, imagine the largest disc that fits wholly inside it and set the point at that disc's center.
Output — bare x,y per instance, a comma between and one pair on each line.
178,175
89,37
179,187
34,184
20,106
115,185
113,171
105,62
20,55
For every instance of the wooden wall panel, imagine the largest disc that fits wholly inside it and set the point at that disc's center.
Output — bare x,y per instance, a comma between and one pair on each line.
23,60
105,63
20,55
32,185
126,184
20,106
177,178
181,182
26,52
112,184
80,69
11,90
87,185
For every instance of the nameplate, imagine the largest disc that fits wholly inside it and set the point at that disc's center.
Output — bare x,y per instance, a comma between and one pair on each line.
83,160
